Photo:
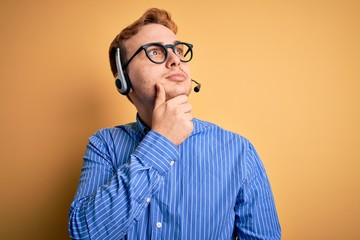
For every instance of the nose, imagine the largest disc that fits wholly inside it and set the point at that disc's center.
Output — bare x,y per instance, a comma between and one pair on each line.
172,60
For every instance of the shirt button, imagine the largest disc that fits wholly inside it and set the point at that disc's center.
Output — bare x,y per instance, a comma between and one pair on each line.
147,200
158,225
172,162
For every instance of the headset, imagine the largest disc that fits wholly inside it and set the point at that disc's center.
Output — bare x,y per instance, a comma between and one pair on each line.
122,80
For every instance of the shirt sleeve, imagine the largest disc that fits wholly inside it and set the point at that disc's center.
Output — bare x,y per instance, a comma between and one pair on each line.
109,201
256,216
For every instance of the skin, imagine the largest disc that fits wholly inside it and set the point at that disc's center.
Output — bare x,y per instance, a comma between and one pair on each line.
160,91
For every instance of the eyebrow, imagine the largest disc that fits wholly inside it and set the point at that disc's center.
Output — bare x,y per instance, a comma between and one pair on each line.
162,43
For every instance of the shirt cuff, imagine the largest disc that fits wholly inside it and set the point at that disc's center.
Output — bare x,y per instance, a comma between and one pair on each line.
157,151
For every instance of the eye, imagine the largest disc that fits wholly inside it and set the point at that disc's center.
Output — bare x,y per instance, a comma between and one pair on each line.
179,51
154,51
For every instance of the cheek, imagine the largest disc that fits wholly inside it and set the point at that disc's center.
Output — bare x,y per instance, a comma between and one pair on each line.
142,82
186,69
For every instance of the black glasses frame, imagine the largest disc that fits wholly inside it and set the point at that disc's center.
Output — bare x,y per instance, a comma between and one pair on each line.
165,47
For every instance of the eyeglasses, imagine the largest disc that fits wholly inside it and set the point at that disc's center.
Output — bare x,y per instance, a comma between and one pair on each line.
157,53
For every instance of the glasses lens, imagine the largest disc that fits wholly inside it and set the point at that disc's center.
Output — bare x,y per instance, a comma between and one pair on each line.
183,51
156,53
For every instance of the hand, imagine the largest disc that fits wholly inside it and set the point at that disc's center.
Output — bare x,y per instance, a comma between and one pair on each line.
172,118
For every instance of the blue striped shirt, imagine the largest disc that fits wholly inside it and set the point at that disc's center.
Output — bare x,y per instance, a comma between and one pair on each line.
136,184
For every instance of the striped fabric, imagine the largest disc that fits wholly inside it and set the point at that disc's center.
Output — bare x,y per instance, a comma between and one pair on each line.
135,184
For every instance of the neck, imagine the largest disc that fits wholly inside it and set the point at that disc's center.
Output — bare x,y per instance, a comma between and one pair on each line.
146,117
144,110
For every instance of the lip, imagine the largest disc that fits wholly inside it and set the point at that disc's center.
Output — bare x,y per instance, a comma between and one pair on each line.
176,76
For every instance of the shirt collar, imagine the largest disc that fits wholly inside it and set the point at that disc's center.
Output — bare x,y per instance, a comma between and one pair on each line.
141,125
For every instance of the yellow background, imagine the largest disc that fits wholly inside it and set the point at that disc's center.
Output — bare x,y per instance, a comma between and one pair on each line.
285,74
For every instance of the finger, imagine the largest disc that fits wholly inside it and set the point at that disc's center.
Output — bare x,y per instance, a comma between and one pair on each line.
180,99
187,107
160,95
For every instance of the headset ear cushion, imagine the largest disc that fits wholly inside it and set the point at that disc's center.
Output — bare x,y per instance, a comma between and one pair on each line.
123,85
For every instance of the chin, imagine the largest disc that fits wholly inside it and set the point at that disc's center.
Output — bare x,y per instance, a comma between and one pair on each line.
178,92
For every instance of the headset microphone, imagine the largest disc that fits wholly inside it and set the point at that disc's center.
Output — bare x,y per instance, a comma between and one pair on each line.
122,80
197,87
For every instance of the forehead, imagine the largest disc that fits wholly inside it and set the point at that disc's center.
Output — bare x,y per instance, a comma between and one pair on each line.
150,33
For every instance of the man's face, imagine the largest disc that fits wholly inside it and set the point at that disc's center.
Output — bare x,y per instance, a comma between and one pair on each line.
173,74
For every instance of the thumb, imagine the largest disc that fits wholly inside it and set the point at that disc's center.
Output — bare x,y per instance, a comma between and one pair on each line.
160,95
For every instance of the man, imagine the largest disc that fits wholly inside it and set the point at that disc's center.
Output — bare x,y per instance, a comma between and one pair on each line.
168,175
